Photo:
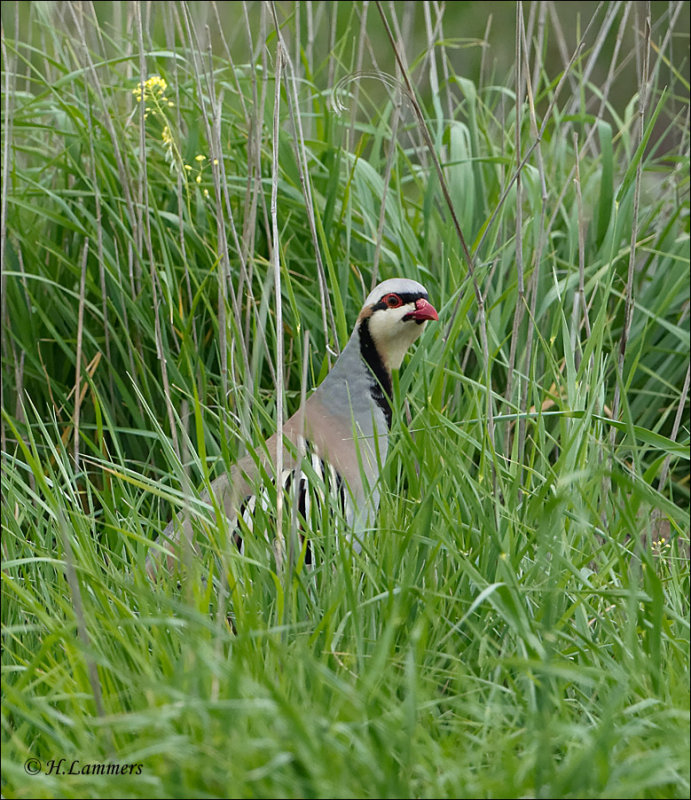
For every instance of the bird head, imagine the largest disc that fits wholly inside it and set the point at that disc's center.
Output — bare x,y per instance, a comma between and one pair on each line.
395,314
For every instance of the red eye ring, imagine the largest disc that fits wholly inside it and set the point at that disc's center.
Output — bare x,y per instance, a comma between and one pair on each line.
392,300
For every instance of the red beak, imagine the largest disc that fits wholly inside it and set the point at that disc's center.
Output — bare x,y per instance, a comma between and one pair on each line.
424,310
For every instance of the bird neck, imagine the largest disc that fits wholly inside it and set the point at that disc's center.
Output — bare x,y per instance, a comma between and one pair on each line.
359,384
381,385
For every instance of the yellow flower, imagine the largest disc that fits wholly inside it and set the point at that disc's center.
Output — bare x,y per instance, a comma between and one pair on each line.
154,87
200,158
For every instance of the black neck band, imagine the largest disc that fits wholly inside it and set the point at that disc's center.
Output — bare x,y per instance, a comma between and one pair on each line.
381,384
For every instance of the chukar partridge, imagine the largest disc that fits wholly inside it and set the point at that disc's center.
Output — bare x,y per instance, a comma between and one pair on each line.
339,436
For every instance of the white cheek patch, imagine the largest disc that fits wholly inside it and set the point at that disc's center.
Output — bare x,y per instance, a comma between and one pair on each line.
392,334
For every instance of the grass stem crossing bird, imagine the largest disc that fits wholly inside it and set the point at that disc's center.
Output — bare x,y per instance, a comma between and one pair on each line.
341,431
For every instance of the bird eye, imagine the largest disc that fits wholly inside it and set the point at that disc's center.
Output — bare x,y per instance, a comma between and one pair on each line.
392,300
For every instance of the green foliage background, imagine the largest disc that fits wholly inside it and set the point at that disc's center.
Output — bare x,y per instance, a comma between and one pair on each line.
518,623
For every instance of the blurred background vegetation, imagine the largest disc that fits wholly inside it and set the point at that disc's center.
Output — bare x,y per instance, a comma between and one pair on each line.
479,41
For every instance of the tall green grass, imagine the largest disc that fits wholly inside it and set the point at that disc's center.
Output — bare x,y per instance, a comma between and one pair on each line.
518,622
